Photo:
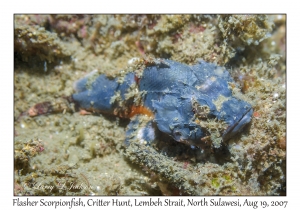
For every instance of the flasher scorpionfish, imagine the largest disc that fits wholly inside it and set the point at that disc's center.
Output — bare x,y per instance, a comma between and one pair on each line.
184,102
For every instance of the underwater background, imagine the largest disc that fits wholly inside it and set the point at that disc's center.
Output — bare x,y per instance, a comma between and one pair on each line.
85,155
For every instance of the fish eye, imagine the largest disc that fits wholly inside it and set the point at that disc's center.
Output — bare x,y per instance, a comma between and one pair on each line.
177,133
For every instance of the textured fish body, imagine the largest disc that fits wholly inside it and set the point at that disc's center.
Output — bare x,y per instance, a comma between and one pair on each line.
97,95
184,100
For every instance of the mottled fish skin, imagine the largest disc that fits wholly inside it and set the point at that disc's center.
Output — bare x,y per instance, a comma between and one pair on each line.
97,96
143,132
171,89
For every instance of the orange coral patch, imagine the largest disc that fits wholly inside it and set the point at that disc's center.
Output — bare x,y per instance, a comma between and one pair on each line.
256,114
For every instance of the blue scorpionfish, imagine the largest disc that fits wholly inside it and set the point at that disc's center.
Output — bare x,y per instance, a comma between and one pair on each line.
192,104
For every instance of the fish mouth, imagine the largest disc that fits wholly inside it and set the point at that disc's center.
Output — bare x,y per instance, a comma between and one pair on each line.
238,125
